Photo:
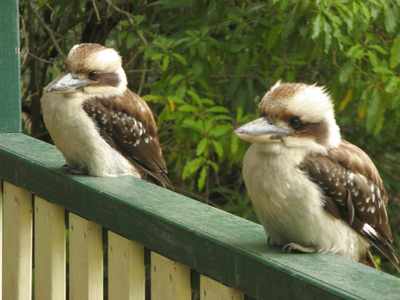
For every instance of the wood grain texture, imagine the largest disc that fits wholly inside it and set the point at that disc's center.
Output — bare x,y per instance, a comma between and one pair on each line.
85,259
214,243
213,290
126,270
170,280
10,112
17,255
50,251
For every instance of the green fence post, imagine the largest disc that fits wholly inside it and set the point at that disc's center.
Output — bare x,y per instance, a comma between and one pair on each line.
10,108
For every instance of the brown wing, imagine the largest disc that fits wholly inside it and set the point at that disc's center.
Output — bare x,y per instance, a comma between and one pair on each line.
354,192
127,124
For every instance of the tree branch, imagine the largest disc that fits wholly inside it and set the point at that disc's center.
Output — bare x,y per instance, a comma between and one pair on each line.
47,28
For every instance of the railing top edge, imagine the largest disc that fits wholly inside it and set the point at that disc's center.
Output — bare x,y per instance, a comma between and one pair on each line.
225,247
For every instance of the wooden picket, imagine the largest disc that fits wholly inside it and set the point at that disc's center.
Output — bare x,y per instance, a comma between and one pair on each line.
126,269
213,290
85,259
17,243
50,251
170,280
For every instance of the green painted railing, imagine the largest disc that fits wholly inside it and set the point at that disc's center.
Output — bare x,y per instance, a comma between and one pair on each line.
10,120
212,242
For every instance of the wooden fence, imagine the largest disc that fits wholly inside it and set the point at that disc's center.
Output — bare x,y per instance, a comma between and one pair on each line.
81,238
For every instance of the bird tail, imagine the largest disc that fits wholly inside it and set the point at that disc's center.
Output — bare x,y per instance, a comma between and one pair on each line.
386,249
393,258
163,180
160,178
381,244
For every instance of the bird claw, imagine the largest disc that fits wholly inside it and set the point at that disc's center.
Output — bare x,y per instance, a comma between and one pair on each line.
291,247
74,171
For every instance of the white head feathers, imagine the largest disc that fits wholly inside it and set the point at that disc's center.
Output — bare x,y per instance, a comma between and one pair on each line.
93,57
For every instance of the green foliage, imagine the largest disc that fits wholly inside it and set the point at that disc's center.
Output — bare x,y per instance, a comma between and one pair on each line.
204,65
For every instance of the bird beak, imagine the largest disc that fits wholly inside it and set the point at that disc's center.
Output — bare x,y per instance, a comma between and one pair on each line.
66,83
260,131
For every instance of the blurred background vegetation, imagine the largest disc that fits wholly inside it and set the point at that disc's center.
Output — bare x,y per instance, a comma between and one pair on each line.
204,65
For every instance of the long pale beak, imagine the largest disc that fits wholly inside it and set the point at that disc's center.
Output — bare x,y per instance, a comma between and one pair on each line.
260,130
66,83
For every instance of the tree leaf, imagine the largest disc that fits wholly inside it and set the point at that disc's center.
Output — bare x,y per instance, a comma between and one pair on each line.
213,165
220,130
218,109
191,167
195,125
390,19
316,27
346,100
375,113
355,52
392,85
180,58
383,70
373,59
395,53
187,108
234,144
345,72
202,178
165,63
201,147
176,78
379,49
328,36
222,118
218,149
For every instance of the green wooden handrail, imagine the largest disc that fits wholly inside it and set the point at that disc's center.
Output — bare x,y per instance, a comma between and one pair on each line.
225,247
10,107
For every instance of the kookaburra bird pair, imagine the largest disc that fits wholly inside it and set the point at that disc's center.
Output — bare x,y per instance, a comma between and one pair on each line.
100,126
312,190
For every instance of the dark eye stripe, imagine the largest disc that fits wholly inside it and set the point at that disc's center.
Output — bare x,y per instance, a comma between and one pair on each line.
108,79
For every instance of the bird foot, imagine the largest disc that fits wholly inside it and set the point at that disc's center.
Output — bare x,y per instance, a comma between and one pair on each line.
74,171
291,247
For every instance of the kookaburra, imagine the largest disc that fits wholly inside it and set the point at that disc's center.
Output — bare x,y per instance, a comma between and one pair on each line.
312,190
101,127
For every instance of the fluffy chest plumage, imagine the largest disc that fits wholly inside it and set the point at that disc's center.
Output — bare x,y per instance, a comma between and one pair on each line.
290,206
76,136
280,192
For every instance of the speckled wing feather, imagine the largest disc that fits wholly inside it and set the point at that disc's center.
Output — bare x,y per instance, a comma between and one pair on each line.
127,124
354,192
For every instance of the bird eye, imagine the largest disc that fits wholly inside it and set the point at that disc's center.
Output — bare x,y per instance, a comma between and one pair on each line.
295,123
92,75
